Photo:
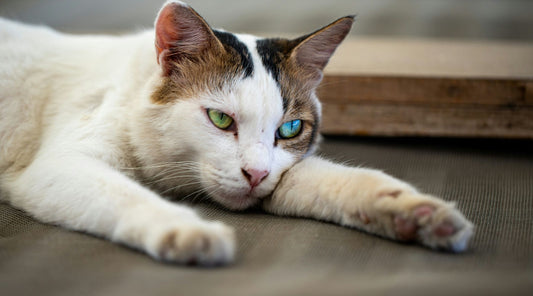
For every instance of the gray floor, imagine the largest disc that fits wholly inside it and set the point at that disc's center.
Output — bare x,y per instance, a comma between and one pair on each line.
490,180
472,19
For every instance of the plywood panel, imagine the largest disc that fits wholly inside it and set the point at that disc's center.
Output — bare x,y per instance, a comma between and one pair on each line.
429,88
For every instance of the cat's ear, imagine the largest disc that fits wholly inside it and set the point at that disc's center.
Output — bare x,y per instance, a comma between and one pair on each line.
314,50
181,33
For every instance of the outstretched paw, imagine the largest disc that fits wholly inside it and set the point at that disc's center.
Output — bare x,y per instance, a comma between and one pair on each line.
435,224
206,243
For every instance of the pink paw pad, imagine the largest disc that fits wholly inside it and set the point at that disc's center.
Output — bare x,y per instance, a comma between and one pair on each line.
405,228
445,229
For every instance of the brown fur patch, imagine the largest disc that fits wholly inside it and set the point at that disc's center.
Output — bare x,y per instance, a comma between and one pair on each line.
211,71
193,57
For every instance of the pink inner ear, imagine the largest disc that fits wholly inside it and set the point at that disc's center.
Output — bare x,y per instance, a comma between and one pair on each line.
165,29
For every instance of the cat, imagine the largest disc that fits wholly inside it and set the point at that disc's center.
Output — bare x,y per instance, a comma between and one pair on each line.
96,130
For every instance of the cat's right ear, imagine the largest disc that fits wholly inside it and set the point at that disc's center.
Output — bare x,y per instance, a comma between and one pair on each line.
181,33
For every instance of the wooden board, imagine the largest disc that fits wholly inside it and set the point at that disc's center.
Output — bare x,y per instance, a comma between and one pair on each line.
433,58
448,101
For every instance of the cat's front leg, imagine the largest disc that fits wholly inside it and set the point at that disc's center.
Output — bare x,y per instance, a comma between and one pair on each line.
86,194
369,200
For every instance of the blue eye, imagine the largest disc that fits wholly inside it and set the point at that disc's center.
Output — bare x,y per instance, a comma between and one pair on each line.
290,129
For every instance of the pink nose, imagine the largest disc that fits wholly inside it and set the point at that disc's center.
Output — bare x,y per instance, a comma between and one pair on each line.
254,176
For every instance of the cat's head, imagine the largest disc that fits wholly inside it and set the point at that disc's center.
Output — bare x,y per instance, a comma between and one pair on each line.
233,112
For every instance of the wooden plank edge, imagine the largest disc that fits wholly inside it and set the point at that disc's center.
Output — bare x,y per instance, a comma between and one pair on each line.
507,93
416,120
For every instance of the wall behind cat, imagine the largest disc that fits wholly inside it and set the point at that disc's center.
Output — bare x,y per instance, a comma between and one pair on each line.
480,19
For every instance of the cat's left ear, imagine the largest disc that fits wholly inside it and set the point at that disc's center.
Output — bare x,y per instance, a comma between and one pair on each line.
314,50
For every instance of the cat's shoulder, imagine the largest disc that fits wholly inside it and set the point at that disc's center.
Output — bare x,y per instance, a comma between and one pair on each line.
12,30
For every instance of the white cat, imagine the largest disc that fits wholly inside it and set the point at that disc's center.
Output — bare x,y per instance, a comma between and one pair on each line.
94,130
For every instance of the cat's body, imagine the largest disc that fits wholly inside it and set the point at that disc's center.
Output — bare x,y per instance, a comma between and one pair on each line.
44,89
92,127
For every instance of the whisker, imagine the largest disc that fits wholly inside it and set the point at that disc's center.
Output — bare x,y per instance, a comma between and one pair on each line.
160,165
181,186
171,170
173,176
198,192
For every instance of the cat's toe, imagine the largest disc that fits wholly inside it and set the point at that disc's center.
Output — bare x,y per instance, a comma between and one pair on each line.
405,229
206,244
442,227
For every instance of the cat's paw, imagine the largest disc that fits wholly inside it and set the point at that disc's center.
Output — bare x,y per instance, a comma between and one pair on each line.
408,216
205,243
437,225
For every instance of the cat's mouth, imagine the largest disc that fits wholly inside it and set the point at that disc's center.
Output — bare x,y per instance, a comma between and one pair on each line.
237,198
232,192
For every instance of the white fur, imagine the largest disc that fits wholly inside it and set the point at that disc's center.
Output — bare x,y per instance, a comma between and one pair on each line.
77,128
79,135
67,108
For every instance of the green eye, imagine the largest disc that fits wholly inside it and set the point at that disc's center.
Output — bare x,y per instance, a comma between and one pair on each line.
219,119
290,129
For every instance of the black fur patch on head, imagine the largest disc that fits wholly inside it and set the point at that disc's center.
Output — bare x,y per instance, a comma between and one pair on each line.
269,52
230,41
274,52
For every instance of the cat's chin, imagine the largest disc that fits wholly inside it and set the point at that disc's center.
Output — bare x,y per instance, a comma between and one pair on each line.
236,202
236,197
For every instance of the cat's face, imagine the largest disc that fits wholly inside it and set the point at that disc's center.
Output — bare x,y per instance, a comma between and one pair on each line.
233,111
